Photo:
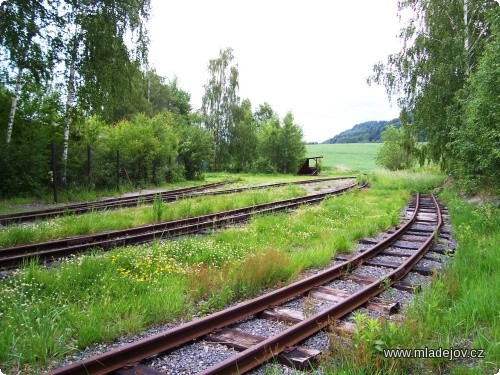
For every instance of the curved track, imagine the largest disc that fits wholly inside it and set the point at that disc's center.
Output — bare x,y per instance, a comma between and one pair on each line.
136,200
104,204
425,223
13,257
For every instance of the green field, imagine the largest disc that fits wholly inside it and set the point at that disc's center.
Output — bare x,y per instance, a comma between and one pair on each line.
345,156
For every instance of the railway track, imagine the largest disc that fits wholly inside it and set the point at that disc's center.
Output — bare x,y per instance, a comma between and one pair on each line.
103,204
406,245
13,257
133,201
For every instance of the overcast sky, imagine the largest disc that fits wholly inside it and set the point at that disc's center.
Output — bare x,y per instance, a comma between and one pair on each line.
310,57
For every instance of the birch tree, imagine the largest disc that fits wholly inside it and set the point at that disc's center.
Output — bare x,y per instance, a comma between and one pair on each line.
26,41
219,100
99,66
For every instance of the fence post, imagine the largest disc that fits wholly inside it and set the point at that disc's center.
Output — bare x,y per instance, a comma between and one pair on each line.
54,175
88,166
117,169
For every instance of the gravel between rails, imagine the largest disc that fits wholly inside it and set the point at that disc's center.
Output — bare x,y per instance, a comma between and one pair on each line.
372,271
401,251
345,285
262,327
307,305
190,359
391,259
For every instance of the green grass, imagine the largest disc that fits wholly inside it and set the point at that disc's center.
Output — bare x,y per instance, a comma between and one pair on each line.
20,204
49,313
345,157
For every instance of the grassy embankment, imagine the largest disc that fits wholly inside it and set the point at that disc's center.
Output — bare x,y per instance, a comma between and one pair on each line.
49,313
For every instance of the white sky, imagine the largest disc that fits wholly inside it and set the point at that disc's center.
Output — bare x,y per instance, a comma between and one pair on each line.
310,57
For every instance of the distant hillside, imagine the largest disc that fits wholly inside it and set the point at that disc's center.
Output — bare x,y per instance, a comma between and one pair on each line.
365,132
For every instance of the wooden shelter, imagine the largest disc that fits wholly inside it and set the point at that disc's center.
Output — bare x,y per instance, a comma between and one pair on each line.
306,167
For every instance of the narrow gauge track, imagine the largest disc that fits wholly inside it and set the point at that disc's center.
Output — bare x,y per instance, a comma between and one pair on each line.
103,204
425,223
133,201
13,257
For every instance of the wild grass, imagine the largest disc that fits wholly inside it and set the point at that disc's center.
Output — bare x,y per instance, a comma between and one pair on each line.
459,310
47,314
95,222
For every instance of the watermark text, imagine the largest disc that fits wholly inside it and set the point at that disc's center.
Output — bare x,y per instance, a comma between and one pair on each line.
450,353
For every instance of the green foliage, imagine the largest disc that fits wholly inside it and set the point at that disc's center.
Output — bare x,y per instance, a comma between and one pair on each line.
151,147
444,46
27,37
243,146
162,96
477,144
398,148
195,150
367,334
281,147
158,208
152,150
26,162
110,81
292,148
264,112
242,141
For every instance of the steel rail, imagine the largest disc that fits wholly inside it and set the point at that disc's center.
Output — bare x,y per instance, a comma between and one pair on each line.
14,256
133,201
164,341
83,207
277,184
269,348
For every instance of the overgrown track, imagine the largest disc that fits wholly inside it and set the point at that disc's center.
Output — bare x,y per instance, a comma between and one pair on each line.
424,225
133,201
13,257
103,204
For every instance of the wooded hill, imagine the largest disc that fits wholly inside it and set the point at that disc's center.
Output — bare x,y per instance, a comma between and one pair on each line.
365,132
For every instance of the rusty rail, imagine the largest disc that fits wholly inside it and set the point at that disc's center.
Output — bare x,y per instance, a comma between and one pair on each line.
133,201
103,204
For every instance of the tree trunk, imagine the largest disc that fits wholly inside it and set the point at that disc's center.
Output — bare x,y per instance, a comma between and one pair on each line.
466,38
13,107
69,106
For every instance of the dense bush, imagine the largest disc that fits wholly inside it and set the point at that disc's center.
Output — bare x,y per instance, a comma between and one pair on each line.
398,149
26,161
146,150
280,146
